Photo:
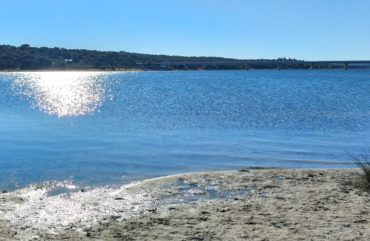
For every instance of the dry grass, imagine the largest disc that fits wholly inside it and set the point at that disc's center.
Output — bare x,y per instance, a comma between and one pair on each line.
363,162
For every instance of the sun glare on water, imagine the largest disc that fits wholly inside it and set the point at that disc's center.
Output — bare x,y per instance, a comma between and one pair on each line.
62,93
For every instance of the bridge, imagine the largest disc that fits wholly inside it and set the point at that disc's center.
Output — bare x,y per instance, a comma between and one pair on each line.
344,63
261,64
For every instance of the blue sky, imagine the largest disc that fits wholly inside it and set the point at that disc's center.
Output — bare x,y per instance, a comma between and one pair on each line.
304,29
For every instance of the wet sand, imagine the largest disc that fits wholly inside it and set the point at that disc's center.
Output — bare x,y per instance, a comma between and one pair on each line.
273,204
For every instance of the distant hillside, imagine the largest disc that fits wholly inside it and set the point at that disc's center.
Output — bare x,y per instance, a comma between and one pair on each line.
26,57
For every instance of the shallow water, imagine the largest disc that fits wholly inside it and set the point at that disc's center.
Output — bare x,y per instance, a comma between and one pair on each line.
95,128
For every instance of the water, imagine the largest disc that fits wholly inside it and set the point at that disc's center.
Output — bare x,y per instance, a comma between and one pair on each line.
95,128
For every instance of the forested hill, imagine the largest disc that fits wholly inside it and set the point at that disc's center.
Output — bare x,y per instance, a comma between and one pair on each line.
26,57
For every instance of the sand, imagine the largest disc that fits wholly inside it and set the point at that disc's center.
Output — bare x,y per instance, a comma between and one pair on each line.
273,204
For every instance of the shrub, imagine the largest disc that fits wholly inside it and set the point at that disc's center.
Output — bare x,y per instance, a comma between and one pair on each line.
363,162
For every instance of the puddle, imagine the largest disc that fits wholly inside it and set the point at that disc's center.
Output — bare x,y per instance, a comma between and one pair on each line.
183,192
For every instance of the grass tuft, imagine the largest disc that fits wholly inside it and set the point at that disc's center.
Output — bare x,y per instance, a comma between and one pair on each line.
363,162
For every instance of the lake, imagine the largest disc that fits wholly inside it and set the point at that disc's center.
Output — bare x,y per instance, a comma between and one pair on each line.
110,128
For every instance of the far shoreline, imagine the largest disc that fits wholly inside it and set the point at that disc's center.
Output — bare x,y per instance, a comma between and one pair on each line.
177,70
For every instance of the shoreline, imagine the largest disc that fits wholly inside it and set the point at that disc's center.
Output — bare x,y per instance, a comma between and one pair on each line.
176,70
224,205
71,186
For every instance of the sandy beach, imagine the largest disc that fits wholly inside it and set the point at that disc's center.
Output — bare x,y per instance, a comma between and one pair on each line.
271,204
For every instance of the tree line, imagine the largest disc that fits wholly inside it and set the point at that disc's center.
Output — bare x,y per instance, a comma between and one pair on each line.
26,57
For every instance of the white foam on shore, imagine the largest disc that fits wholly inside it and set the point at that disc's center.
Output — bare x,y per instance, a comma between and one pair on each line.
33,207
41,208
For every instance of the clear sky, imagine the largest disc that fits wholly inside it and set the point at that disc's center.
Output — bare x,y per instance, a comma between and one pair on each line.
303,29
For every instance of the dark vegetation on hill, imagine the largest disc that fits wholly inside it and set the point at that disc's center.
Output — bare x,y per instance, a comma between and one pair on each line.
26,57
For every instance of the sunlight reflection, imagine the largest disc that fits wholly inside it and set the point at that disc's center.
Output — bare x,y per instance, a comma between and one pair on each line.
62,93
